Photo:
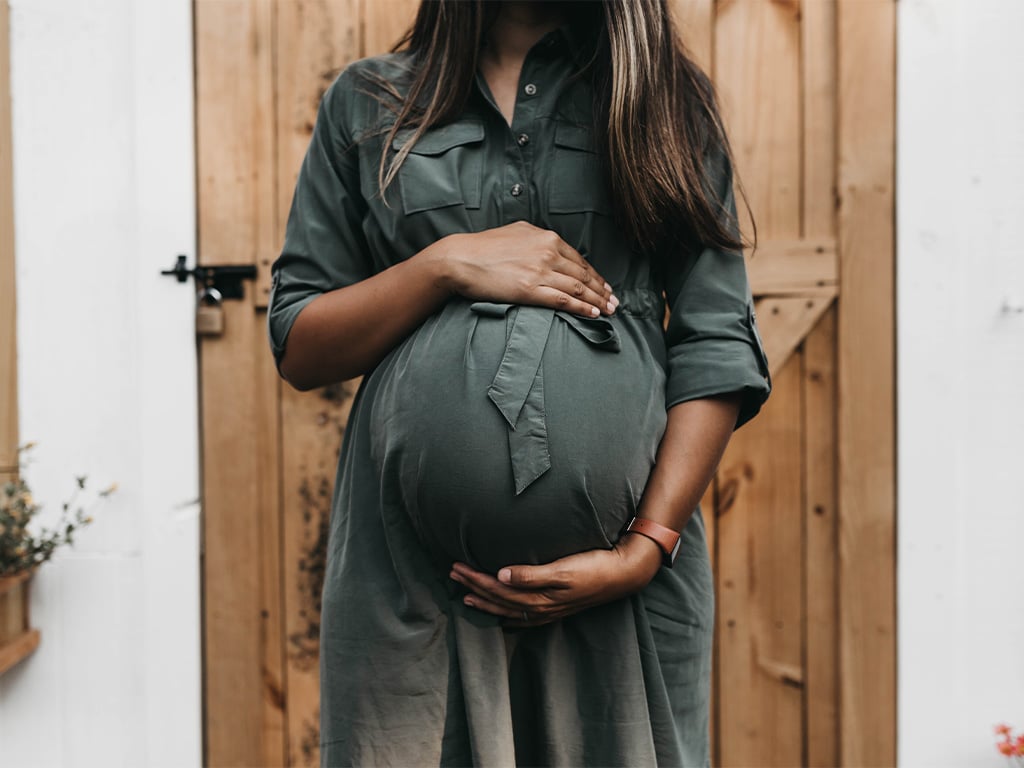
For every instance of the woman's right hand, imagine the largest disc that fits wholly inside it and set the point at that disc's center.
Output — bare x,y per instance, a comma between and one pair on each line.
523,264
345,332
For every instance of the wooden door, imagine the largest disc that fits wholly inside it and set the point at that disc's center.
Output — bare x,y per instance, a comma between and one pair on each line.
803,505
804,500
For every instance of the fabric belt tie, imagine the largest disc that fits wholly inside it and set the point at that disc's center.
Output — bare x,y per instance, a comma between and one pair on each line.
517,389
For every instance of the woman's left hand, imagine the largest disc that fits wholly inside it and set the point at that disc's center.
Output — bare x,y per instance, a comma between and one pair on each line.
530,595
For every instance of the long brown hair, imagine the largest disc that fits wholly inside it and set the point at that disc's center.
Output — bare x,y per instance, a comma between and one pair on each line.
655,109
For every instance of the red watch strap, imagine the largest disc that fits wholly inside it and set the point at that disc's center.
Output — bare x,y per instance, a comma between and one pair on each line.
664,537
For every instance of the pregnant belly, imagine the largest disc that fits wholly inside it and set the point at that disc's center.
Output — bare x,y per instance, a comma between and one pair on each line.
517,435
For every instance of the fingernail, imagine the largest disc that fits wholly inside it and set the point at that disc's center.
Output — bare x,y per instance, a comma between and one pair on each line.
607,287
468,601
505,575
611,307
594,311
614,300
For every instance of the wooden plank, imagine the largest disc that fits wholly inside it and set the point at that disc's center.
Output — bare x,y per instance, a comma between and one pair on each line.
269,513
314,423
234,94
18,649
821,713
818,29
782,267
17,638
821,536
242,669
695,22
8,307
315,40
866,436
384,22
784,322
757,71
759,584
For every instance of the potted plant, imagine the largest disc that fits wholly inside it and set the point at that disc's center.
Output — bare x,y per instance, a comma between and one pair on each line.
22,551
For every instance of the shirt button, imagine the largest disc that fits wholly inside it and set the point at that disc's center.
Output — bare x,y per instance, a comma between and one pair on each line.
522,139
530,89
517,190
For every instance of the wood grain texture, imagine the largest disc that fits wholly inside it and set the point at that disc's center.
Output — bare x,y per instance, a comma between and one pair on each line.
757,72
313,427
866,414
8,302
760,582
785,321
821,613
818,42
760,572
695,22
805,267
14,605
270,512
779,667
18,649
17,638
384,23
315,40
236,194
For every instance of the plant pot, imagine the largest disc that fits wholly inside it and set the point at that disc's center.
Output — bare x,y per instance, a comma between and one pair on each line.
17,638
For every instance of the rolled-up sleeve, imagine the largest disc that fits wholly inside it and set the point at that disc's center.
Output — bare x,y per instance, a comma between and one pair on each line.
324,245
714,346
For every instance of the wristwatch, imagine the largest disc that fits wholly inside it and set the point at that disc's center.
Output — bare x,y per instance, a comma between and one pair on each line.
665,538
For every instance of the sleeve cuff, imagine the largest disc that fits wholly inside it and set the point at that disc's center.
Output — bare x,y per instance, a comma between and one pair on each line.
279,324
716,367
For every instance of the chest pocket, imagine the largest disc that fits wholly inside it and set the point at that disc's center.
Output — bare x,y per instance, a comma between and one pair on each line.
578,183
443,168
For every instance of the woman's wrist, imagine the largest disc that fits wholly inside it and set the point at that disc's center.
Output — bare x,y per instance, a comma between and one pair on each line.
642,558
437,260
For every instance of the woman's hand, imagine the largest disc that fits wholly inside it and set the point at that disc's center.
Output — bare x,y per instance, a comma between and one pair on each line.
523,264
530,595
345,332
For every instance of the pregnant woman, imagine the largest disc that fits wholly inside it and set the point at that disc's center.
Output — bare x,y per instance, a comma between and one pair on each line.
487,226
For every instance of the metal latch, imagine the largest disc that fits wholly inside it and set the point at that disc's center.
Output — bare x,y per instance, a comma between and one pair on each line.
226,279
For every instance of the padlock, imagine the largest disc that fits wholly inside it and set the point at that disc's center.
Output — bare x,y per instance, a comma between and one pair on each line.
209,313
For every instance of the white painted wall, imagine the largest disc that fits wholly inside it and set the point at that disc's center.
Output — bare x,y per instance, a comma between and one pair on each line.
104,198
961,378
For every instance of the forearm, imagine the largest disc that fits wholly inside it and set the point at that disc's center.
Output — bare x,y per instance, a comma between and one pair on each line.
695,439
689,453
345,332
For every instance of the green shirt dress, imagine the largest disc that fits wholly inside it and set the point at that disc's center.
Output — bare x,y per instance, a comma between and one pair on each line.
498,435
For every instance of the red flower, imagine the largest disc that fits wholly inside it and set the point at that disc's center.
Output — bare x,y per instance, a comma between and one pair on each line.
1002,729
1006,748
